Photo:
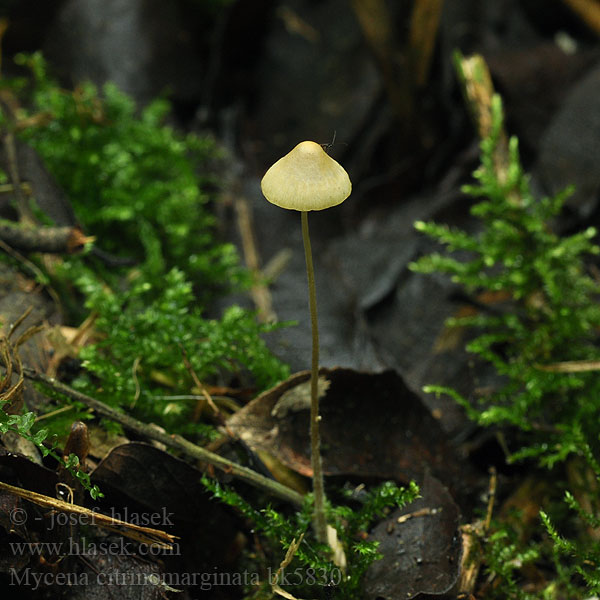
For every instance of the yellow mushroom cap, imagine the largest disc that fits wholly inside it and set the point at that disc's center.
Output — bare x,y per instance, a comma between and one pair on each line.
306,178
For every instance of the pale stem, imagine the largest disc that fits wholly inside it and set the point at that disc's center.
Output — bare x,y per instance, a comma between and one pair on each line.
315,436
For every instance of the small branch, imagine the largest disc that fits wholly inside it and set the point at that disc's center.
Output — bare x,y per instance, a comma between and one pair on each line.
259,290
571,366
478,91
145,534
10,150
33,269
55,240
9,188
472,534
172,441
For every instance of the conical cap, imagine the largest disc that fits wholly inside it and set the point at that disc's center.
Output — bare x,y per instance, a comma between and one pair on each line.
306,178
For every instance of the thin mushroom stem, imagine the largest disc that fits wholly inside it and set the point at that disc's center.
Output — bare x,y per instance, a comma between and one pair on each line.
320,522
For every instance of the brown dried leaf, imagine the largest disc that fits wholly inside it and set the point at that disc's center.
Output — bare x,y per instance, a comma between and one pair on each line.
372,425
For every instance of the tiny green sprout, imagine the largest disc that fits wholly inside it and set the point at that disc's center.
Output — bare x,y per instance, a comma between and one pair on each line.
305,179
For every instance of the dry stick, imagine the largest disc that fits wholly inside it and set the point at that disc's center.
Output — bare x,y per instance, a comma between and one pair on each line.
25,212
315,437
259,291
55,240
472,533
148,535
37,273
571,366
478,91
7,188
172,441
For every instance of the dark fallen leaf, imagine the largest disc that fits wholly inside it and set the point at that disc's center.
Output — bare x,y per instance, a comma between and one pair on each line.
154,478
570,150
12,530
139,479
21,471
372,425
420,547
333,98
534,81
109,576
371,267
142,485
21,521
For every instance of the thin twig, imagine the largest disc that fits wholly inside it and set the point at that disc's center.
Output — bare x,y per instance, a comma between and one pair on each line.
259,291
30,266
8,188
207,397
17,322
472,533
149,535
571,366
172,441
54,240
478,91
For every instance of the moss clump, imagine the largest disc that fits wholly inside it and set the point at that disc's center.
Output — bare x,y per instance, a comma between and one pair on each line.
137,184
549,311
146,336
542,340
145,192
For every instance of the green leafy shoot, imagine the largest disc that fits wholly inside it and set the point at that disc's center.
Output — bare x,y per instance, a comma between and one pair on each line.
22,425
145,336
145,191
541,337
547,309
314,558
135,183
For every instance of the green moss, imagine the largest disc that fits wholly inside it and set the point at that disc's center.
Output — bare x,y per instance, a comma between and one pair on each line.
146,192
23,425
548,314
548,311
146,333
314,574
135,183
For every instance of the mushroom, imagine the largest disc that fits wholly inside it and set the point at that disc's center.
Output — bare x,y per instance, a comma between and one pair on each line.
305,179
